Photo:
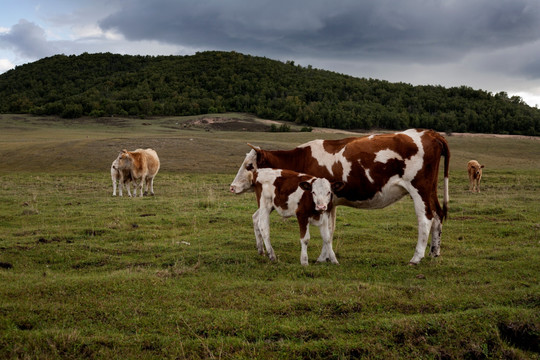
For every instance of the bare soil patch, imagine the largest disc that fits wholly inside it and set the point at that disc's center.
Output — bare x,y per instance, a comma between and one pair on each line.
227,124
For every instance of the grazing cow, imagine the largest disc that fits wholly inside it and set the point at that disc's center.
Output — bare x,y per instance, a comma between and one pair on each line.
143,165
377,171
291,193
123,178
475,175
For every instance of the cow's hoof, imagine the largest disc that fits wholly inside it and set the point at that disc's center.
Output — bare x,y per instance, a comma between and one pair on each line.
412,263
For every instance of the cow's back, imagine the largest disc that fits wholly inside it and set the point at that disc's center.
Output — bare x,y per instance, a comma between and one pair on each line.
365,164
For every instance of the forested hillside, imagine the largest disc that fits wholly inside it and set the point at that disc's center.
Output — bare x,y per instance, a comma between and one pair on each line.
210,82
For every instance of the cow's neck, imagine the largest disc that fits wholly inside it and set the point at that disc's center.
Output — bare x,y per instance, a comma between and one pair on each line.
283,159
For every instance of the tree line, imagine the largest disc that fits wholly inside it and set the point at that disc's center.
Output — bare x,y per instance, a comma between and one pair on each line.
108,84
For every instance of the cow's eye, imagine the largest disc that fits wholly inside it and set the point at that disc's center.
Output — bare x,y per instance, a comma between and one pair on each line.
249,167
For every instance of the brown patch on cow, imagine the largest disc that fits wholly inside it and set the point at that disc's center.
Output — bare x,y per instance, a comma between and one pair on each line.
287,184
335,146
427,178
257,188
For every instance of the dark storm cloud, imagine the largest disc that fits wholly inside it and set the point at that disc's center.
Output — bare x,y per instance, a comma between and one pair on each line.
419,30
27,40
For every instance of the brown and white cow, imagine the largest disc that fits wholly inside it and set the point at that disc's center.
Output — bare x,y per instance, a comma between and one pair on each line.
475,175
122,177
377,171
290,193
143,165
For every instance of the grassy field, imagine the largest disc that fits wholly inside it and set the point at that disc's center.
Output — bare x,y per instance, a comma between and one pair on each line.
86,275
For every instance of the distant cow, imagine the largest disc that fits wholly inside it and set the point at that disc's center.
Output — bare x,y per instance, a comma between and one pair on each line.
475,175
291,193
377,171
123,178
142,165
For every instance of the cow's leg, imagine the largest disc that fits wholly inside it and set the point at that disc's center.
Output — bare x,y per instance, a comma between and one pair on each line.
147,185
151,181
264,228
121,184
258,235
327,252
303,223
140,186
136,186
113,185
128,187
436,231
424,226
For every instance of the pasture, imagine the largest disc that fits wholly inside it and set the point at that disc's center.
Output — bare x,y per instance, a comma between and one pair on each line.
177,275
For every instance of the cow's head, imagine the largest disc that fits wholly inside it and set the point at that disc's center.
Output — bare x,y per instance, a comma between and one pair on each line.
244,177
124,159
477,170
321,189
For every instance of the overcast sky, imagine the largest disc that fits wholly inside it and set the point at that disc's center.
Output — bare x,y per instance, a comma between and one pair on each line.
492,45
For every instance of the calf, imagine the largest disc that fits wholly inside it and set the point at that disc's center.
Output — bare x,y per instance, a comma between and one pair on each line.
291,193
122,177
475,175
142,165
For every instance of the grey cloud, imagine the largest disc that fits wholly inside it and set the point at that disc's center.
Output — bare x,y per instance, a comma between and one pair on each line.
417,30
27,40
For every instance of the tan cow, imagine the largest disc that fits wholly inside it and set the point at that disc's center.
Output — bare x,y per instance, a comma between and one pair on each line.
475,175
143,165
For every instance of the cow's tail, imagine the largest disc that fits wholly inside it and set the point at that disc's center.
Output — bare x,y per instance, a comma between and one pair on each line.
446,154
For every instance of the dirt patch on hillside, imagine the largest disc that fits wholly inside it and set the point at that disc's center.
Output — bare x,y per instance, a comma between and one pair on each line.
227,124
500,136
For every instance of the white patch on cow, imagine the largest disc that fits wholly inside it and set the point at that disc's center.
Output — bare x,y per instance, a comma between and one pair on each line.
322,193
369,176
328,160
446,195
384,155
366,171
416,162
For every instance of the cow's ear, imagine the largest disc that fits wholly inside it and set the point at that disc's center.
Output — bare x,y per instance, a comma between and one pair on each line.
304,185
337,186
124,151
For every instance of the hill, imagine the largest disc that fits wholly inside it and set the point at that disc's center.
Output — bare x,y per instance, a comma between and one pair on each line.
217,82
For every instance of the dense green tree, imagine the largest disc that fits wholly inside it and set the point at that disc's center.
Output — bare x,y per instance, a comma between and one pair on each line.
208,82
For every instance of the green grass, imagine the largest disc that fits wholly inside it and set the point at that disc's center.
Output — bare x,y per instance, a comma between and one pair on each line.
178,276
